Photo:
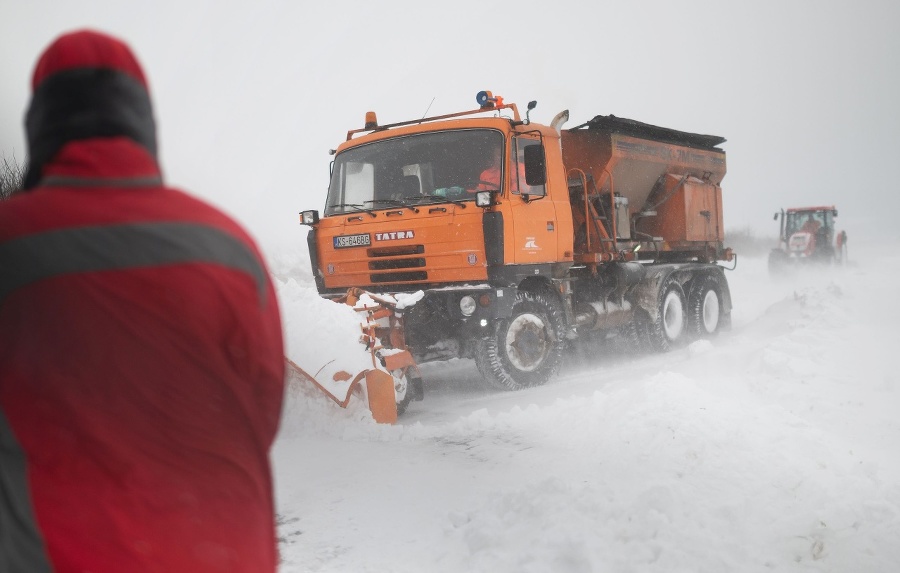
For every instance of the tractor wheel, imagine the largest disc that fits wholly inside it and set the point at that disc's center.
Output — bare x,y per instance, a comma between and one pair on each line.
704,307
525,349
670,326
827,255
779,262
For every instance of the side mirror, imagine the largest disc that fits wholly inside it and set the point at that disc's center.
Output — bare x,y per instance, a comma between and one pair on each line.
535,168
835,212
531,105
775,218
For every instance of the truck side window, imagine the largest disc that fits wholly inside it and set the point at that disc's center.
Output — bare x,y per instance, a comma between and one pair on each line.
518,184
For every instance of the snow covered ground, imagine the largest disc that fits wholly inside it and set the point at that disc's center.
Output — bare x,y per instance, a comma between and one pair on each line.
773,447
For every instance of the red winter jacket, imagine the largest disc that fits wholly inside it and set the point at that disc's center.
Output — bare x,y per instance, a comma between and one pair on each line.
141,371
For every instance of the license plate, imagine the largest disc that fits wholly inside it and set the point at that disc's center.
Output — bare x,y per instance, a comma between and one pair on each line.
345,241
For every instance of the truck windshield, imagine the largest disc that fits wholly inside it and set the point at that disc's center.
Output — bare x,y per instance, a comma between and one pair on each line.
415,169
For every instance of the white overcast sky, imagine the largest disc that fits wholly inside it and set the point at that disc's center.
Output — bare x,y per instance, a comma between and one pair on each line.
250,96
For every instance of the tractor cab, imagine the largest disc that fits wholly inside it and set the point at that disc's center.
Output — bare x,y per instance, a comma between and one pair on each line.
810,232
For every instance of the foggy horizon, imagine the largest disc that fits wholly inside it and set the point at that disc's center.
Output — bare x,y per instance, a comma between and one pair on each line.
249,98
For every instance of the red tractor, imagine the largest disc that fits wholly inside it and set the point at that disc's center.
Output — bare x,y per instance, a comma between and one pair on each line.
807,237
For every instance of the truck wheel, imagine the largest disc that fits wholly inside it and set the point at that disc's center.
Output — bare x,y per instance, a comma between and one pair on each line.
525,349
631,337
669,328
407,387
704,307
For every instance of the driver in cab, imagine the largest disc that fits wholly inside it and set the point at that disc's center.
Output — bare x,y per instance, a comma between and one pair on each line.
490,178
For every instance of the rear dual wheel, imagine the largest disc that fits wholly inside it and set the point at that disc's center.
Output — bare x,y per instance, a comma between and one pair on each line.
698,315
669,328
704,307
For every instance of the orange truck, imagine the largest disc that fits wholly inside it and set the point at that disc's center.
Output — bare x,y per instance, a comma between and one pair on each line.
613,226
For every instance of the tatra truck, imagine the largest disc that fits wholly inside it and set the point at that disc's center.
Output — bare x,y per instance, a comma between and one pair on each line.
611,227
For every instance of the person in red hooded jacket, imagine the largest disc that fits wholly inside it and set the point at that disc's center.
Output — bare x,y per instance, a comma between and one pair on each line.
141,355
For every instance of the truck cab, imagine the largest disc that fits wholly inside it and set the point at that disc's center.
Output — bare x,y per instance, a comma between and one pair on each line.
402,210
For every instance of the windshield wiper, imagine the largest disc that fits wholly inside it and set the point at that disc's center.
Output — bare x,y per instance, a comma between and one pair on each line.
355,207
441,199
393,202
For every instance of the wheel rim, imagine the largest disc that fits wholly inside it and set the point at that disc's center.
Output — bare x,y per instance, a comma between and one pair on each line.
527,343
673,315
401,385
710,311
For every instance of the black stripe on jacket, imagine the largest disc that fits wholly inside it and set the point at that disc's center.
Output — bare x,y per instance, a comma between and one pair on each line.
83,103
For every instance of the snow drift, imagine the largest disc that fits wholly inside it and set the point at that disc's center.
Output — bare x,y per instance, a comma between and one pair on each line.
770,447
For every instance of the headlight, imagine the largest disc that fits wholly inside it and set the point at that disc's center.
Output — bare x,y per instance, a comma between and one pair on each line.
467,305
309,217
484,199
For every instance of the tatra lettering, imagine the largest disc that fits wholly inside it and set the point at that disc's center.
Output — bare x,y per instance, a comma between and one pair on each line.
394,235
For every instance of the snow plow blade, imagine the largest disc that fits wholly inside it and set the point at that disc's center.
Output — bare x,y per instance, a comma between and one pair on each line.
376,386
368,357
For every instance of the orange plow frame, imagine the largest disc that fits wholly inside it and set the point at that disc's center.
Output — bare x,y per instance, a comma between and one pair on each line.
376,384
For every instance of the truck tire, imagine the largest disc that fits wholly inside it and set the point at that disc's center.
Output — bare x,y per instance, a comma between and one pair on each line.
407,387
670,326
704,307
525,349
631,337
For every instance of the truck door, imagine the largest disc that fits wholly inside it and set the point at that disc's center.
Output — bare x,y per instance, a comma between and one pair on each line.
534,222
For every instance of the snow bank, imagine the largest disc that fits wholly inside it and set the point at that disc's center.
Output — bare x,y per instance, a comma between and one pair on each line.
770,447
323,338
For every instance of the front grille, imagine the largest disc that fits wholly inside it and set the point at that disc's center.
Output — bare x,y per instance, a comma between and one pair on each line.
396,251
397,257
399,277
396,264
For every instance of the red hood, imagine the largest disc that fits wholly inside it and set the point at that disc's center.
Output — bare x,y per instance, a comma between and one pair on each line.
86,49
114,158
